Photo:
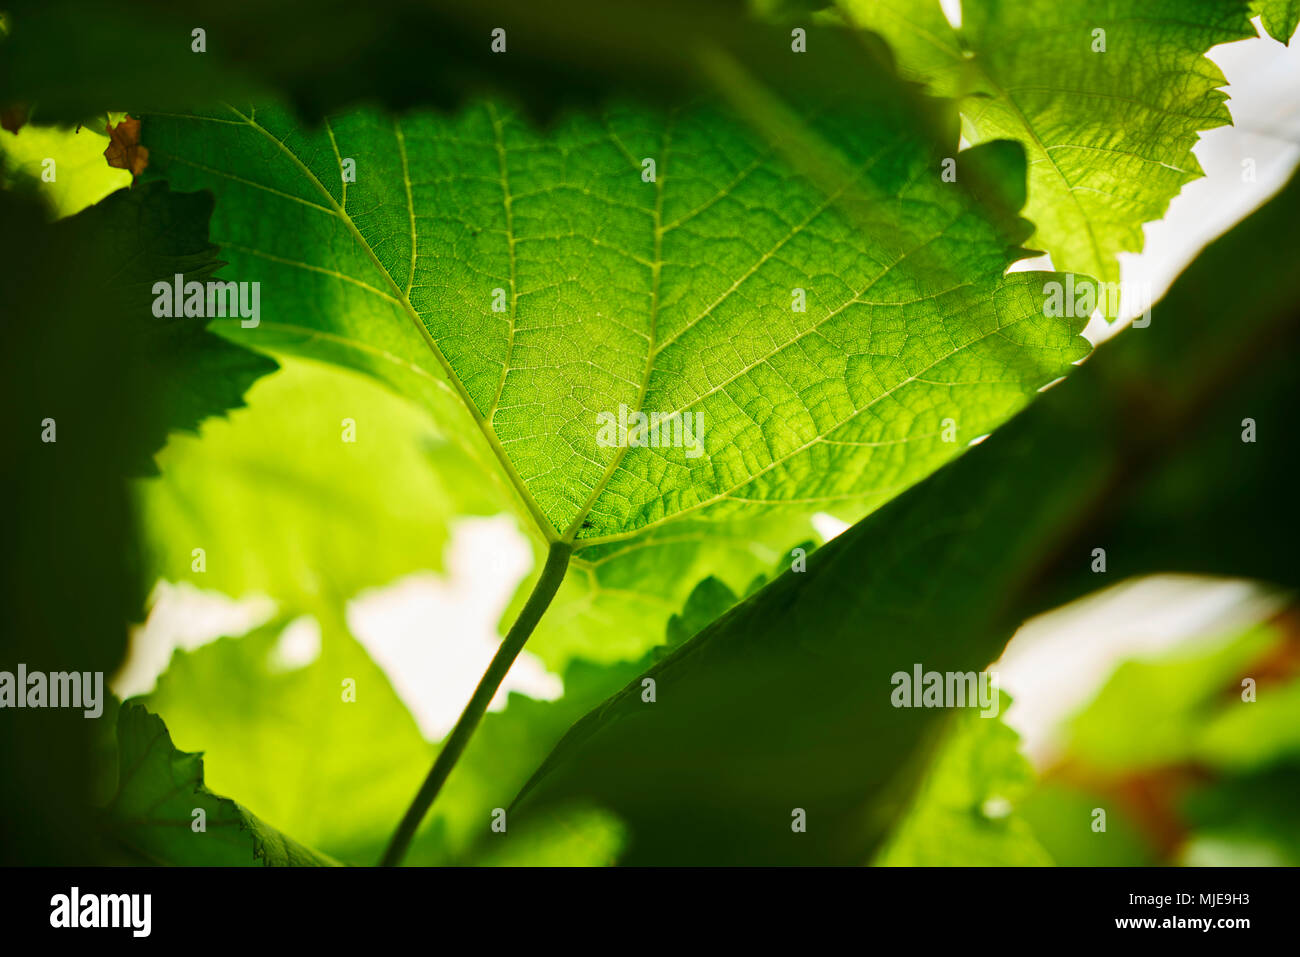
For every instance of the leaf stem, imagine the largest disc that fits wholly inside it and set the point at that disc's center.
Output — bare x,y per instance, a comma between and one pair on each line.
557,563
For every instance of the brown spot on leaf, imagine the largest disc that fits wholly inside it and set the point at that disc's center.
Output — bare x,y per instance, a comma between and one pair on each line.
124,149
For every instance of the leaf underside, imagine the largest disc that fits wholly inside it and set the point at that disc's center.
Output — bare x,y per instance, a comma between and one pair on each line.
670,297
159,791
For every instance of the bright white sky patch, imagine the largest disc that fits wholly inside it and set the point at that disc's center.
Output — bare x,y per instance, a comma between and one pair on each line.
434,636
828,526
1057,662
182,616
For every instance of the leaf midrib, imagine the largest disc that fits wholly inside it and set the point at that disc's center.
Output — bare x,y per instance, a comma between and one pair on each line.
656,270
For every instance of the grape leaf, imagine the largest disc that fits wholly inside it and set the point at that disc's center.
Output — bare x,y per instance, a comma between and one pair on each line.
1279,17
290,744
669,296
160,789
288,495
1108,119
179,372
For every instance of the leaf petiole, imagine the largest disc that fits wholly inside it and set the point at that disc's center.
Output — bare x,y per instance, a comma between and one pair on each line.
557,563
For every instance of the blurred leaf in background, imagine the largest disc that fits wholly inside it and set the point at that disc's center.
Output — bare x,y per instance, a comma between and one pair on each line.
69,57
163,813
966,812
73,157
1192,764
288,741
85,408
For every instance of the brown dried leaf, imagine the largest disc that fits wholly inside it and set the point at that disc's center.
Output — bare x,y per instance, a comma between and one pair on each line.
124,149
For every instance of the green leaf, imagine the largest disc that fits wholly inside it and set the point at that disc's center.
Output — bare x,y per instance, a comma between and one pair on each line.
967,810
1108,133
1061,817
573,837
1188,705
1248,820
1279,17
286,505
671,297
160,789
334,772
107,259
